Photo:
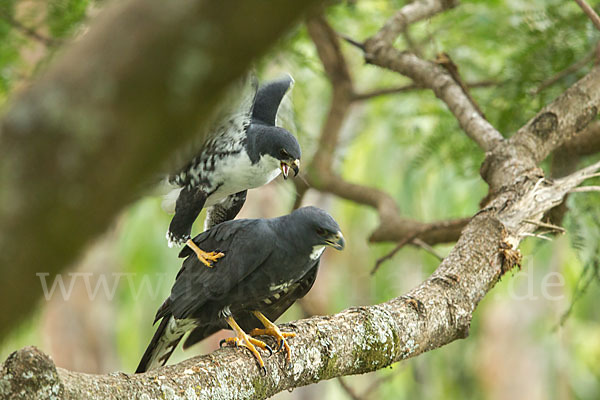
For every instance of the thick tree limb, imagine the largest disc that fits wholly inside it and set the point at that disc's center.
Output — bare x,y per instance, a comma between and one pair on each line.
120,99
585,143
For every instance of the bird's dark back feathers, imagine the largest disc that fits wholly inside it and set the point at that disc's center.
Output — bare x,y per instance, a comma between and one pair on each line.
195,284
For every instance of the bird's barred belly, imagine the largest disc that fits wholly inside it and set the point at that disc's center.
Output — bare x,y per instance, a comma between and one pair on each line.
280,290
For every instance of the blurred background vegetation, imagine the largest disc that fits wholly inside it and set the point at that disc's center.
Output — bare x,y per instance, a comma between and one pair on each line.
535,336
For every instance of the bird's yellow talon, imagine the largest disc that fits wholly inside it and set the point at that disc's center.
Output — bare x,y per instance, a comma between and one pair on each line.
207,258
243,340
271,329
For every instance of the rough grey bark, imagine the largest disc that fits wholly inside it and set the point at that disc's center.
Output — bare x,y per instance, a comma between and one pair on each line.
82,141
363,339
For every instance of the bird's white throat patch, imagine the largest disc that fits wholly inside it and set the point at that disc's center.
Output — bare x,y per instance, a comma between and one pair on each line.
317,251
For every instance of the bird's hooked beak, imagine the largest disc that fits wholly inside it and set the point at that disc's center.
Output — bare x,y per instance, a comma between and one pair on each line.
285,168
336,241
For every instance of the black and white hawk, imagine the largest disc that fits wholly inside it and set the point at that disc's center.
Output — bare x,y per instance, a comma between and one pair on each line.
244,150
269,264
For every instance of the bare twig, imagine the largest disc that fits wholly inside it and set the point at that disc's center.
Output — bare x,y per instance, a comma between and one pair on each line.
425,246
545,225
443,85
351,41
536,235
411,13
392,253
589,11
583,189
581,289
565,72
412,87
31,33
592,176
349,391
330,53
445,61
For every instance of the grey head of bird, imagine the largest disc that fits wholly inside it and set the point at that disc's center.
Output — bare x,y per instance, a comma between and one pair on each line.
316,229
278,145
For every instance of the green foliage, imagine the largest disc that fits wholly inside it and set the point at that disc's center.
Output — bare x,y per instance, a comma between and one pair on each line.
65,15
30,32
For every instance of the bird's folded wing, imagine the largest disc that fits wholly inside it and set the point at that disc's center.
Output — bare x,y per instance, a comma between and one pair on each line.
246,245
272,311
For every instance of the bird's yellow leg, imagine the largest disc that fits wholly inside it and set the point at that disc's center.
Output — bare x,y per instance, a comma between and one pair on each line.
205,257
272,330
244,340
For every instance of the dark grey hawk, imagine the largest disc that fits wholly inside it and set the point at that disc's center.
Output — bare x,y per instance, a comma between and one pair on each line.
244,150
268,265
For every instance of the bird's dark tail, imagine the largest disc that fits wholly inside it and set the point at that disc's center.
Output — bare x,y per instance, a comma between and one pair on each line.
165,340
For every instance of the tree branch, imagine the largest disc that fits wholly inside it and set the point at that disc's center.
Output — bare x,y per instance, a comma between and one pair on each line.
410,13
379,51
319,173
436,78
333,61
567,71
31,33
121,98
556,124
584,143
354,341
589,11
412,87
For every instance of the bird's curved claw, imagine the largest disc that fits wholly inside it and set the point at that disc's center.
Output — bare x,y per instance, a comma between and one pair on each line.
280,344
269,349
